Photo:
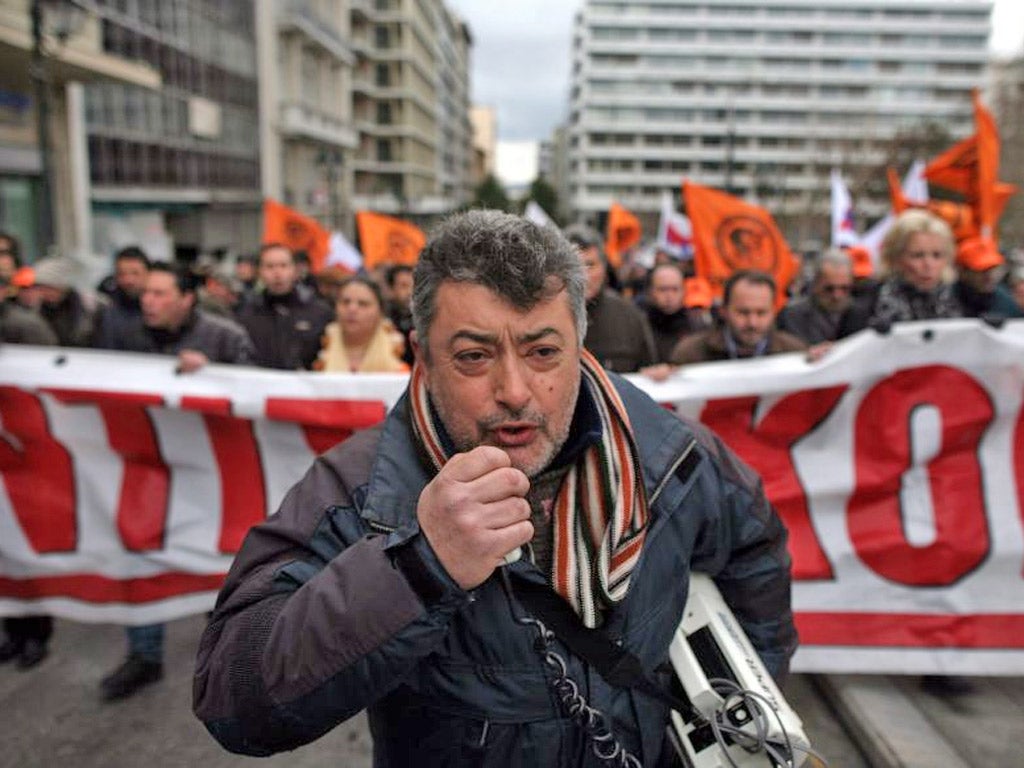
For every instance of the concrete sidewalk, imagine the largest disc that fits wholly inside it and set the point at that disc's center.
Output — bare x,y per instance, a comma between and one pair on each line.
899,725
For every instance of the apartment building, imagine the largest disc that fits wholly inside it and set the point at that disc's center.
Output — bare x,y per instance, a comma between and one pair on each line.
44,178
177,168
761,97
411,107
307,130
484,120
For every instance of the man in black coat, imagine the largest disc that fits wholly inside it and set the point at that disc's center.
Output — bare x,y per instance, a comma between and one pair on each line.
285,319
667,313
617,331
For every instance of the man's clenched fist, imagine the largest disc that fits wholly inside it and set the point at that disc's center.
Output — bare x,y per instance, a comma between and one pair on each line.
474,512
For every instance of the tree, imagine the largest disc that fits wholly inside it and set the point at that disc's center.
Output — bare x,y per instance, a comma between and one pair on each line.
491,194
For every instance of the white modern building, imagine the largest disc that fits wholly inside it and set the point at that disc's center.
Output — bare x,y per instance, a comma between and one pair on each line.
761,97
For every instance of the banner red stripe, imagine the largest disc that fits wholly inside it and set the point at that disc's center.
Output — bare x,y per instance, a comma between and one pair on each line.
91,588
910,630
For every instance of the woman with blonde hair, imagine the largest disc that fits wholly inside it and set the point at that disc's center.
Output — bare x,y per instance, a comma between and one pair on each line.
362,339
917,254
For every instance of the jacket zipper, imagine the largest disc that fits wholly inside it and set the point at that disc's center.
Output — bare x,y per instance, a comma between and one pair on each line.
380,527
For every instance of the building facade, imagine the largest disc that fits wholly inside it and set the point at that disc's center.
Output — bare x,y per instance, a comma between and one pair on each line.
411,108
307,131
484,120
762,97
70,52
177,169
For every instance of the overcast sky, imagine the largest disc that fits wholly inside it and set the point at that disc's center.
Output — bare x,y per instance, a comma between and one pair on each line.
521,59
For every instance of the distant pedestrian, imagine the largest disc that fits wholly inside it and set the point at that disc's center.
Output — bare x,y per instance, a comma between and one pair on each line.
745,330
617,332
829,312
917,254
170,324
123,307
285,318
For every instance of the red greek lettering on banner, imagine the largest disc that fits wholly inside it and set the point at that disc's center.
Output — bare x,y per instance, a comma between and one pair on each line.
243,495
883,453
767,446
37,473
143,499
325,423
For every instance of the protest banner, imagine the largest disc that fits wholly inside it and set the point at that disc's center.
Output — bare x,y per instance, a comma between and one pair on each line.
897,463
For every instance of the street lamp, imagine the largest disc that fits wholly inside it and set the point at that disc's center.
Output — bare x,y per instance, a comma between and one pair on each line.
332,160
65,17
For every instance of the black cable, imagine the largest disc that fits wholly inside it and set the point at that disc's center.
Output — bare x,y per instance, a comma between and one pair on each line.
604,745
781,751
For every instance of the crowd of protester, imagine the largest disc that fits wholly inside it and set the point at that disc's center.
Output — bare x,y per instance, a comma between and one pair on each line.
268,310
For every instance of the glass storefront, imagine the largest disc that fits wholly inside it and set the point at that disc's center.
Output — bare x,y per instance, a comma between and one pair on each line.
19,212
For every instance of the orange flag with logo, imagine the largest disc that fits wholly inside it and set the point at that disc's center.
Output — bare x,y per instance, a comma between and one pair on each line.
730,234
623,232
299,232
387,240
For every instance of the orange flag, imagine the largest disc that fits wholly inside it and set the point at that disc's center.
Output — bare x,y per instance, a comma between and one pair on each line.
387,240
971,167
955,168
730,234
623,233
282,224
988,168
962,218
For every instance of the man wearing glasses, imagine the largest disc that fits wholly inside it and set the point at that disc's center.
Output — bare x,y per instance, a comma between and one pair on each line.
829,312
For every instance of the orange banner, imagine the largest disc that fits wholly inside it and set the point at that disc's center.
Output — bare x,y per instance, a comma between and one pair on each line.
387,240
282,224
622,233
730,234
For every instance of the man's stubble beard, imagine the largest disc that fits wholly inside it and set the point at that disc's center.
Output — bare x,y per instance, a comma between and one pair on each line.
464,443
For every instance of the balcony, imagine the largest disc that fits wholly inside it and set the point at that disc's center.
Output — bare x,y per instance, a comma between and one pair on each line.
302,122
298,16
80,58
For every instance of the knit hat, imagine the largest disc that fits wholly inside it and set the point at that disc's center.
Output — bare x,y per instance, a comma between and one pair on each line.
698,293
55,271
978,254
24,277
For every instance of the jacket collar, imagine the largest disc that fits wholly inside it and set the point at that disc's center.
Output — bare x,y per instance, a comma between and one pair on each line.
399,473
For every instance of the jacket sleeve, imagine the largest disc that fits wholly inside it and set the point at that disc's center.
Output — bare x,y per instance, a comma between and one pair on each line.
743,548
318,619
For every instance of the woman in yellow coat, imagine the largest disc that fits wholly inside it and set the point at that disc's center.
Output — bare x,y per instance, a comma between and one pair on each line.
362,339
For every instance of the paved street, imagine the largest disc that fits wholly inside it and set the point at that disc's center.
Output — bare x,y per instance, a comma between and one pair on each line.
51,716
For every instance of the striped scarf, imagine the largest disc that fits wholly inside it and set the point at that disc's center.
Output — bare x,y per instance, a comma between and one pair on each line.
600,512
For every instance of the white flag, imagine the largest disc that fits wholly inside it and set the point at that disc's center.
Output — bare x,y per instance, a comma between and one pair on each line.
915,185
537,215
675,235
342,253
915,188
843,232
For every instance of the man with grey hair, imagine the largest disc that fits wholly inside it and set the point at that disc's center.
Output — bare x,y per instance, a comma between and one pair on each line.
396,576
829,312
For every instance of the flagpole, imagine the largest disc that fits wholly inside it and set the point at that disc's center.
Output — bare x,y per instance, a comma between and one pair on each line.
730,145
